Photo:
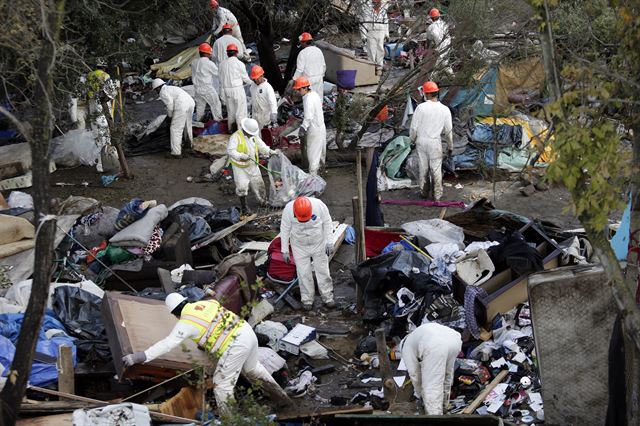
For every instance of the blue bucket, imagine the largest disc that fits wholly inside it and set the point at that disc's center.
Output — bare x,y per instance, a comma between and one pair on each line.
346,79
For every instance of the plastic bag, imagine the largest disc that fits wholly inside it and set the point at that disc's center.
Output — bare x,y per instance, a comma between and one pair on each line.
288,182
80,312
436,231
74,148
20,199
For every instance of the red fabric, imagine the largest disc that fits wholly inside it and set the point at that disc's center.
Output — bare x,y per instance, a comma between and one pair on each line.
277,267
375,241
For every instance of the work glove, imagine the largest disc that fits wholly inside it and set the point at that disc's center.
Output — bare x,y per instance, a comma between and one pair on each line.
328,248
134,358
450,153
302,132
243,157
274,118
286,257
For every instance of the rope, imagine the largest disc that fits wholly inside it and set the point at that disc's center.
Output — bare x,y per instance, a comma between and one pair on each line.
273,172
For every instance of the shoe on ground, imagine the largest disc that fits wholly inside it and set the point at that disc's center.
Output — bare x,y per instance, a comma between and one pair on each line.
173,157
330,305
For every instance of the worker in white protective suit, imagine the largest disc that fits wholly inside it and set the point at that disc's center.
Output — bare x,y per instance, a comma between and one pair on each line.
220,46
310,64
244,149
233,77
430,352
78,104
222,16
376,24
101,89
312,125
204,74
430,122
438,34
180,107
306,224
264,107
223,334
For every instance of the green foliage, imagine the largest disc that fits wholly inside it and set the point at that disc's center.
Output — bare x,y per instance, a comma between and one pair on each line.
247,412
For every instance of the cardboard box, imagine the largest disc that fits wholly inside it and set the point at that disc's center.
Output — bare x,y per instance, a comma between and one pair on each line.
298,336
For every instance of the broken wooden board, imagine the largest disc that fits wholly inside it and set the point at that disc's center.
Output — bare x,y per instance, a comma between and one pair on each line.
135,323
338,236
54,420
223,233
325,413
255,246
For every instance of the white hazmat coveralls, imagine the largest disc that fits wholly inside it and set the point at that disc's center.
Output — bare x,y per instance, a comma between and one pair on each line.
376,23
240,357
250,175
438,33
204,74
233,75
313,123
310,63
219,48
430,352
308,240
225,16
430,121
263,102
180,109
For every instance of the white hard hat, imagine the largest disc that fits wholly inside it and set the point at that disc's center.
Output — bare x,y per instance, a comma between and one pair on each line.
157,82
100,62
250,126
173,300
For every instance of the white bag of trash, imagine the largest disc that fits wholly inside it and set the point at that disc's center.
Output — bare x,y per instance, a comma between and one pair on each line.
436,231
75,148
288,182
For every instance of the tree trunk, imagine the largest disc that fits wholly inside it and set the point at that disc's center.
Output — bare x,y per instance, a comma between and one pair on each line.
548,55
42,124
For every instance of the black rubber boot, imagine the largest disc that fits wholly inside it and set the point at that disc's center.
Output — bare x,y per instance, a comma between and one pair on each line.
244,207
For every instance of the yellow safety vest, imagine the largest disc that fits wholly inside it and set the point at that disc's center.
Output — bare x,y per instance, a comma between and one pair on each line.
96,80
217,326
243,149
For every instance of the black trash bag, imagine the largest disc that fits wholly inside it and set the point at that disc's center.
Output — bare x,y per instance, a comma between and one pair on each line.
517,254
365,345
80,312
199,277
93,352
192,293
223,218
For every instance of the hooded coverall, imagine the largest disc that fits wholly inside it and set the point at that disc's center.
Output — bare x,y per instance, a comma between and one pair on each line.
233,76
204,74
220,48
430,120
263,102
225,16
180,107
100,85
430,352
308,240
246,172
229,338
376,23
310,63
313,123
438,33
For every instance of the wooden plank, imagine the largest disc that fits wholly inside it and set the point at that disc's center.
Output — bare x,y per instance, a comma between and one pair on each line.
223,233
64,365
51,407
255,246
471,408
360,247
337,238
11,170
324,413
389,385
54,420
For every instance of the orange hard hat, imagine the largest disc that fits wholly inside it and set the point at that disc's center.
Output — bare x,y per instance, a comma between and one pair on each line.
300,83
305,37
232,47
256,72
213,4
227,27
383,115
205,48
434,13
302,209
430,87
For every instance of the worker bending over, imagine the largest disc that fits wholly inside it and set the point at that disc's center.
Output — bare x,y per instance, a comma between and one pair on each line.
204,74
222,333
233,77
310,63
222,16
430,352
312,125
220,46
264,107
306,224
431,120
376,24
180,107
244,149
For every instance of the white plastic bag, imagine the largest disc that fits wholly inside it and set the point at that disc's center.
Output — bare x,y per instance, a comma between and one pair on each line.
20,199
74,148
436,231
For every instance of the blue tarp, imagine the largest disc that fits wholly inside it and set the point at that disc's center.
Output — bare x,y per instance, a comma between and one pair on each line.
481,96
42,373
620,241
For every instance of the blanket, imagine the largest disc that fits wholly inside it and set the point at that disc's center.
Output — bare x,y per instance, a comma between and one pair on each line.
139,233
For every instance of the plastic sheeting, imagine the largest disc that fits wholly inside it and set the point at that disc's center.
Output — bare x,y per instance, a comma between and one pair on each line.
79,311
436,231
75,148
289,181
43,370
